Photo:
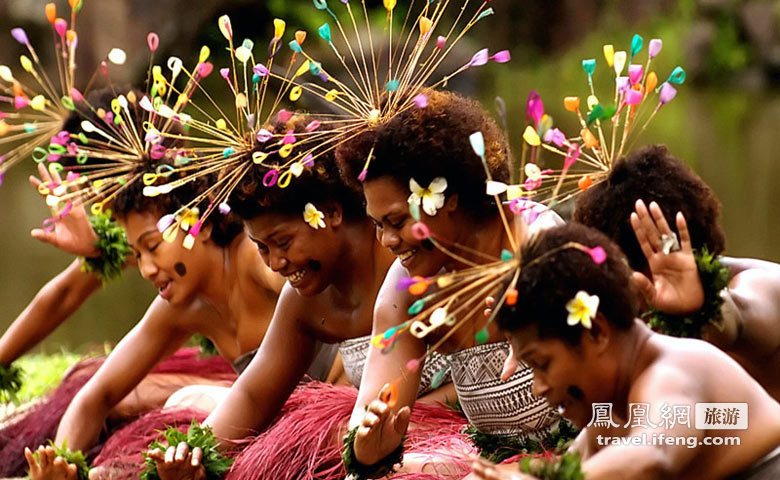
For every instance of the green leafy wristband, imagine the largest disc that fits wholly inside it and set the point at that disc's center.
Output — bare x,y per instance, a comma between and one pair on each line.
10,382
566,467
215,464
113,246
76,458
357,471
714,278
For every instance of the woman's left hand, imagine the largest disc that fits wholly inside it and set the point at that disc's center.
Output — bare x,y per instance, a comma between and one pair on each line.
178,463
49,466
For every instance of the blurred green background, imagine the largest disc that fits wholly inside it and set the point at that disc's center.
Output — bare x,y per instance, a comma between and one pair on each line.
724,121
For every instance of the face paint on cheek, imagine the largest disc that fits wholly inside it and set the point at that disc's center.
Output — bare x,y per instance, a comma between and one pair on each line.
576,393
314,265
180,269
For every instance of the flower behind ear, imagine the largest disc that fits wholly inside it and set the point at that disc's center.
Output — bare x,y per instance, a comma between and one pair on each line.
431,198
582,309
313,217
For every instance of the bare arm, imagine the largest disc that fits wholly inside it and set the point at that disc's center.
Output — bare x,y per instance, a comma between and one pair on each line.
156,336
260,392
382,427
53,304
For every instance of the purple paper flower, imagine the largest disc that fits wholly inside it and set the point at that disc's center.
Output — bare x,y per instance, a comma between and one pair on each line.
668,92
655,47
20,36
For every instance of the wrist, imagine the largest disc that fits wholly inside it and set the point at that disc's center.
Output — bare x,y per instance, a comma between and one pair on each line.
214,465
111,246
357,470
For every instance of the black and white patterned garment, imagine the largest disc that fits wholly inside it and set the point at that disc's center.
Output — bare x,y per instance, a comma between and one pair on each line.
494,406
354,353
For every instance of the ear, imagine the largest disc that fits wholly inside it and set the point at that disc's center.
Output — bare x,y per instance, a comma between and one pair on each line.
205,232
335,214
599,335
451,204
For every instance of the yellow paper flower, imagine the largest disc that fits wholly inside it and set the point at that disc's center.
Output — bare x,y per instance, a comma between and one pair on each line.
582,309
431,198
313,217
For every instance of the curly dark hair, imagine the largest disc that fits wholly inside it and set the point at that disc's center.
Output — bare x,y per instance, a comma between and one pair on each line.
225,228
548,280
651,174
430,142
318,184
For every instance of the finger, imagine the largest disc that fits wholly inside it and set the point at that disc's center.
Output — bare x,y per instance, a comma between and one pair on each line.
660,220
72,472
487,312
510,366
43,235
169,453
60,465
685,235
156,454
197,456
363,432
644,286
649,227
50,455
490,301
34,181
43,460
31,462
401,420
377,407
370,420
182,449
641,237
56,176
43,172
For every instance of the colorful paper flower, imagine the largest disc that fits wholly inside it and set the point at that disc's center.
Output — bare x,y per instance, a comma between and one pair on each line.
431,198
582,309
313,217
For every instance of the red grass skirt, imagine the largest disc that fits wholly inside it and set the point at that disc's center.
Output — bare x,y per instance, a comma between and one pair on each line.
37,424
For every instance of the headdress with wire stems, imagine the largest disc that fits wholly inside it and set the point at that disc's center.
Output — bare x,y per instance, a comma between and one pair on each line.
373,79
607,132
32,112
233,147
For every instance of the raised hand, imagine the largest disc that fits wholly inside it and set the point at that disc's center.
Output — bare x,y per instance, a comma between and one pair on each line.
381,430
178,463
675,287
73,232
49,466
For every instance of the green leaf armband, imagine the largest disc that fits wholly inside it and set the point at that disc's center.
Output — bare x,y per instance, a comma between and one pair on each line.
10,382
113,246
714,278
357,471
215,464
566,467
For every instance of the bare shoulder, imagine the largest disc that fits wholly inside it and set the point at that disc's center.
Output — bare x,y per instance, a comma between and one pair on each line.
392,303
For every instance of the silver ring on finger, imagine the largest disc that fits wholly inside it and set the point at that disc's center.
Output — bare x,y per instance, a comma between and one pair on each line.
669,243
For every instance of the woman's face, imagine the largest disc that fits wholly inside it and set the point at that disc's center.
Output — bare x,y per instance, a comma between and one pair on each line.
176,272
306,257
570,378
387,205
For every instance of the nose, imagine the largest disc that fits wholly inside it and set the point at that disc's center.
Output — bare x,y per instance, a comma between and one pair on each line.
540,387
276,262
390,239
147,267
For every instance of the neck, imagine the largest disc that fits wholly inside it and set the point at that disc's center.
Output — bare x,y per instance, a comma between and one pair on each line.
222,261
355,262
631,366
488,237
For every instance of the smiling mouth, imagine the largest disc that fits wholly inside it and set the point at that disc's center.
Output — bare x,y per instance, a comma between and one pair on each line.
296,277
407,254
165,290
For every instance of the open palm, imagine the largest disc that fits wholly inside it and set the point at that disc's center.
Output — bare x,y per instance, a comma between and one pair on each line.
72,233
675,287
